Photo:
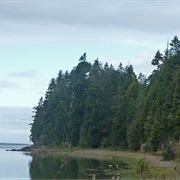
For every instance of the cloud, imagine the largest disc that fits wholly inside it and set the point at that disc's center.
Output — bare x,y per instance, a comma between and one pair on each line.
15,117
7,84
23,82
142,64
23,74
15,112
67,20
141,15
22,87
14,124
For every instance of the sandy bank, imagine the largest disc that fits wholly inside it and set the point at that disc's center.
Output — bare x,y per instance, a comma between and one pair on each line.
107,154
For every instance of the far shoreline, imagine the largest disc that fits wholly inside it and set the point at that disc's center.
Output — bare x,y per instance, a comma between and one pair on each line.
25,144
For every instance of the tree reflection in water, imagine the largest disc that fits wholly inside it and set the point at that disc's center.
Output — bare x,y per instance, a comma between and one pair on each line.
58,167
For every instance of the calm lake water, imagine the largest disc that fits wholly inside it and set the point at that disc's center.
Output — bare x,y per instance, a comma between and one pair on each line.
20,165
14,165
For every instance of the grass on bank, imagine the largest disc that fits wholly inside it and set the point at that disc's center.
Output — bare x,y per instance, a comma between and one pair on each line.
142,169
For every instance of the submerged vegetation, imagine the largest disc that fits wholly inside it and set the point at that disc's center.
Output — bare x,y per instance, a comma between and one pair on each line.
98,106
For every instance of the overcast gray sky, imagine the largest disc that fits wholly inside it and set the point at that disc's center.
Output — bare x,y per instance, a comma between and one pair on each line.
39,37
14,124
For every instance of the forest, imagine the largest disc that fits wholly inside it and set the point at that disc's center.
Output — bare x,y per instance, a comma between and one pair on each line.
96,105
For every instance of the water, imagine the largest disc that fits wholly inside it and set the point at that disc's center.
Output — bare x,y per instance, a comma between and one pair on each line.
19,165
14,165
64,168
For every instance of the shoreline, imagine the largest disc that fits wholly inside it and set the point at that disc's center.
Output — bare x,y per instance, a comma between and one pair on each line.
101,154
155,160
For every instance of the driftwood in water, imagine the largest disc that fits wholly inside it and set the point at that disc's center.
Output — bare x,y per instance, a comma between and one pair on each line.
93,171
89,172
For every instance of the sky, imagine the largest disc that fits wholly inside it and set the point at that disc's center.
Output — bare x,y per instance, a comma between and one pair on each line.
40,37
14,124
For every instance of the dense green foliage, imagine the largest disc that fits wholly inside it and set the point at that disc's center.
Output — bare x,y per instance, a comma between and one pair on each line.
95,106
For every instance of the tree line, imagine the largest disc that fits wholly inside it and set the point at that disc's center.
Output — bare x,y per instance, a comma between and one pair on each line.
100,106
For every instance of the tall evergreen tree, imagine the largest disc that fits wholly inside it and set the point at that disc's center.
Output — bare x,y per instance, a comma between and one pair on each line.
78,85
37,125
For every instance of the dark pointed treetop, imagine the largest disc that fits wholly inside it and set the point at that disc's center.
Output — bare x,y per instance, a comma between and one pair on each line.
175,46
83,57
157,59
106,66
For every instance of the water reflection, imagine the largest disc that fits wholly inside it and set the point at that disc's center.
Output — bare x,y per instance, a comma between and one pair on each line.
57,167
24,165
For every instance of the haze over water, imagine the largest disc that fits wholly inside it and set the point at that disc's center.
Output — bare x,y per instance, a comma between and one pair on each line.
14,124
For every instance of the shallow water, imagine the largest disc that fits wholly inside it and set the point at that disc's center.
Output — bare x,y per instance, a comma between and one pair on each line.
19,165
